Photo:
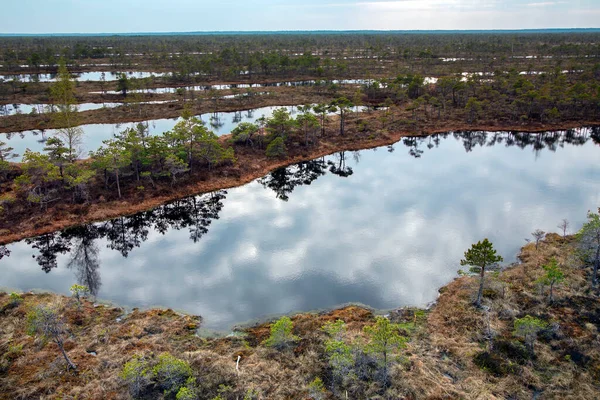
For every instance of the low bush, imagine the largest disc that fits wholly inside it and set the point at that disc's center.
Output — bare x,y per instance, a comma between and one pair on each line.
281,336
171,373
136,376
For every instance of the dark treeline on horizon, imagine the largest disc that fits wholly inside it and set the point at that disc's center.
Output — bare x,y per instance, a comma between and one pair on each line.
242,48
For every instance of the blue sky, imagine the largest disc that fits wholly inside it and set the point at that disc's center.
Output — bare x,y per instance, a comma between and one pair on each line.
89,16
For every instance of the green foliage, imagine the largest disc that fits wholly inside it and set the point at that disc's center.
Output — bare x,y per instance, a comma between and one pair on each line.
527,328
281,337
244,133
136,375
79,291
62,93
57,151
251,394
185,394
189,391
589,243
15,298
528,325
171,372
280,123
553,275
6,153
473,109
123,84
316,389
174,166
384,339
276,148
480,256
38,172
338,352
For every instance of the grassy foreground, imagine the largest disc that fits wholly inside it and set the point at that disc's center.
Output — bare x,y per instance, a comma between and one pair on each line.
451,351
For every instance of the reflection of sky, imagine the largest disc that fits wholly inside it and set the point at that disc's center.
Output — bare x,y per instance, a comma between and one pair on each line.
389,235
94,134
83,76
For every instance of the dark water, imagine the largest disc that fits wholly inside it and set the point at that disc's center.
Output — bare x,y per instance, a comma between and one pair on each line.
384,227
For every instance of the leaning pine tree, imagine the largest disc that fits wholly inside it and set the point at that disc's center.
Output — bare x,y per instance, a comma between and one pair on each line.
479,257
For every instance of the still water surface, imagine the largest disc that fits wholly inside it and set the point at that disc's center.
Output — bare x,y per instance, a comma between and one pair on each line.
92,76
384,227
93,134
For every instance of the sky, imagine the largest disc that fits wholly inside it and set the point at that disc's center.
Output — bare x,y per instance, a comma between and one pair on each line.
119,16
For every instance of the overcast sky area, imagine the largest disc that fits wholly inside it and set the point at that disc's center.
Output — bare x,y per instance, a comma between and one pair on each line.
116,16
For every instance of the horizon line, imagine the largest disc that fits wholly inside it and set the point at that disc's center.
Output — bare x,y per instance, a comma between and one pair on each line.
295,31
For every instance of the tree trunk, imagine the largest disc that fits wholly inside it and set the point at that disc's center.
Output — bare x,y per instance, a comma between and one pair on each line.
118,183
480,292
64,353
596,265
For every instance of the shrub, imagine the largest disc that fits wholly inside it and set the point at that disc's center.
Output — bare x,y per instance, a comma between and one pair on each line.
281,334
251,394
316,389
15,299
528,327
47,323
171,372
79,291
384,341
189,391
244,133
338,352
135,373
276,148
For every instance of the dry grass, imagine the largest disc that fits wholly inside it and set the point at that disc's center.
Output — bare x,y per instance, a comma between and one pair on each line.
438,362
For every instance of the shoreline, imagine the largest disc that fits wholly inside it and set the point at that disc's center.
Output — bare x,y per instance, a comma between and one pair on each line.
445,353
97,212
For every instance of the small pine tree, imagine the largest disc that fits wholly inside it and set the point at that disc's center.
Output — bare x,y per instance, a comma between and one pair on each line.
78,291
554,275
384,341
276,148
480,256
316,389
528,328
339,353
281,336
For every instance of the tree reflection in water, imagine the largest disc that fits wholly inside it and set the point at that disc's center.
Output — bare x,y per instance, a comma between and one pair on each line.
124,234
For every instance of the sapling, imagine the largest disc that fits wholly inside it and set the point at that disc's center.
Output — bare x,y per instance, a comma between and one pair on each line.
553,275
385,340
281,336
47,323
528,328
78,291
